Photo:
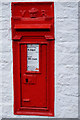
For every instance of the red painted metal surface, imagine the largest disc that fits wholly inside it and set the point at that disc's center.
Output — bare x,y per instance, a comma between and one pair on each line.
32,26
33,23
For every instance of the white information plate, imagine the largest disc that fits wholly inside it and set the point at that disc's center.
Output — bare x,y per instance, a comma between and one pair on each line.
32,57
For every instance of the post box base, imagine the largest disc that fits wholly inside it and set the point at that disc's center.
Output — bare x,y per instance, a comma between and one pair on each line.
19,112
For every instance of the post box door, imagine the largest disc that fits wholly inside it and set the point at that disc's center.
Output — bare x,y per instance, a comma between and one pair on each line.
34,75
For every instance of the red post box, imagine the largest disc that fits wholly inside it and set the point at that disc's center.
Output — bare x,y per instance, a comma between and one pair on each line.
33,58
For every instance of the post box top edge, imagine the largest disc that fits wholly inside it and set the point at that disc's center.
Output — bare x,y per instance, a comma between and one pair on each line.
31,2
18,3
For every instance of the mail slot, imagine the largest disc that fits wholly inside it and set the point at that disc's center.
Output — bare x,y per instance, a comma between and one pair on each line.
32,25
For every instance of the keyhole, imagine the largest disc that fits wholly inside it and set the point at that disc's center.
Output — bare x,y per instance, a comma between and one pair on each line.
26,80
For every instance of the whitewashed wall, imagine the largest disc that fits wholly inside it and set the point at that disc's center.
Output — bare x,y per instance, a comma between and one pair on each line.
66,59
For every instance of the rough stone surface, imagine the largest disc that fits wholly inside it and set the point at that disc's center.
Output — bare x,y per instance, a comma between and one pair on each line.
66,57
67,60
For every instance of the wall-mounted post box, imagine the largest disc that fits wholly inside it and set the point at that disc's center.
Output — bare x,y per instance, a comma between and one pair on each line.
33,57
